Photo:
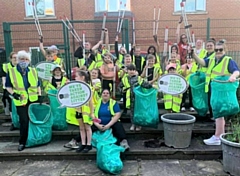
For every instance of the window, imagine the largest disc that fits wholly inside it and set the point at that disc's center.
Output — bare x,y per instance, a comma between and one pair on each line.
44,8
191,5
111,5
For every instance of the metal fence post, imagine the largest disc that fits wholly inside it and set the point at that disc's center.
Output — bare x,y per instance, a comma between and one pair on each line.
208,29
126,31
66,50
7,38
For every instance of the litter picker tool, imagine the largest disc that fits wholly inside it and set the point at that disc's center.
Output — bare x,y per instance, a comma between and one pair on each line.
134,35
156,21
169,50
187,26
165,42
103,26
70,28
34,13
120,19
83,43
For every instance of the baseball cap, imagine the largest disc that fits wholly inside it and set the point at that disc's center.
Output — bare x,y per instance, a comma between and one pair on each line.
53,47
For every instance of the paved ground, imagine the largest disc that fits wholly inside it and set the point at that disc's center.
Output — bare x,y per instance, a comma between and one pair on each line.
131,168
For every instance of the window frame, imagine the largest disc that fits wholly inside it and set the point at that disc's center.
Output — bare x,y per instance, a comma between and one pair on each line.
28,11
128,6
197,9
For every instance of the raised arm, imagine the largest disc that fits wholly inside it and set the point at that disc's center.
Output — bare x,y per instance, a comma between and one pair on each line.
178,29
106,39
41,45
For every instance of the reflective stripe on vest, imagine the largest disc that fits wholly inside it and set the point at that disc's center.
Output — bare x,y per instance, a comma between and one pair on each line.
81,62
172,102
111,105
213,70
18,86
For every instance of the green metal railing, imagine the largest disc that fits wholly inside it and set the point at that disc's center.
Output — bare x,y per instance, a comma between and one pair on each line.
23,35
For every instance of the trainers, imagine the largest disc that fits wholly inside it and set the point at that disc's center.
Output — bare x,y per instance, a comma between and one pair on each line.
124,144
132,128
138,128
212,141
72,144
191,109
183,109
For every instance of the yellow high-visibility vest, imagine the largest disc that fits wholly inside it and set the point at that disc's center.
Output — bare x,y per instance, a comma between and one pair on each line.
204,69
142,61
214,70
18,86
172,102
127,87
82,61
111,105
51,87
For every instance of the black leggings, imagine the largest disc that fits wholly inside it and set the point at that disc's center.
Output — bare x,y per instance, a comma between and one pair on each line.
105,84
189,92
209,100
6,98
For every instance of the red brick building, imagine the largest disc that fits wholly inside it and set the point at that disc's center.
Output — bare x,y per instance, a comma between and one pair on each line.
224,18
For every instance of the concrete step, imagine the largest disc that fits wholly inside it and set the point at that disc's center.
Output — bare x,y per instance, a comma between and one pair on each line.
55,151
200,128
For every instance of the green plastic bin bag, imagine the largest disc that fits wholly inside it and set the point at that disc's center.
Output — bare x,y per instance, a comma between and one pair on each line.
15,117
145,107
199,97
40,124
108,153
224,100
58,114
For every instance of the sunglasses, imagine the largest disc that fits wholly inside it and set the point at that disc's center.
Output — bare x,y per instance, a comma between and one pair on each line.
220,50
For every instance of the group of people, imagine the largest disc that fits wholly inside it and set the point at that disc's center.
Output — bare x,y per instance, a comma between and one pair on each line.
102,71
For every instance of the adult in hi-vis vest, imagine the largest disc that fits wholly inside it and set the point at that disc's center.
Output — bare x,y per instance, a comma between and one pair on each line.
221,65
210,53
108,111
23,85
6,99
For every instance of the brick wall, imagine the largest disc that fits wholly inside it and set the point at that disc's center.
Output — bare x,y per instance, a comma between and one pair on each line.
14,10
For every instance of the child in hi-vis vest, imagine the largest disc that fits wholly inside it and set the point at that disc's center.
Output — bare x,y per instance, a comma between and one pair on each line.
84,115
57,80
96,83
172,103
127,85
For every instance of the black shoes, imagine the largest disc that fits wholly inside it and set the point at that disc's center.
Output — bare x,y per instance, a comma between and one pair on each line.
21,147
84,149
80,148
87,149
12,128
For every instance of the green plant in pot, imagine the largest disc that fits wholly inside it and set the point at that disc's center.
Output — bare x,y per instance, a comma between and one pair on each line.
231,147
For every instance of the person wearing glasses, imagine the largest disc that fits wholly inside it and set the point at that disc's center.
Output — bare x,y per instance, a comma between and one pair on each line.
219,66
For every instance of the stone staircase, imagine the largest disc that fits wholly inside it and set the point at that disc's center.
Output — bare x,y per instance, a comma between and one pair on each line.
55,150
